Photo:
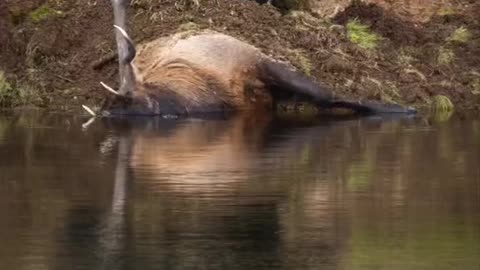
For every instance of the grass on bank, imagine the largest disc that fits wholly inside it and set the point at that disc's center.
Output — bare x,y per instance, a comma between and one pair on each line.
11,96
300,58
441,103
6,90
44,12
361,35
445,56
475,84
440,108
461,35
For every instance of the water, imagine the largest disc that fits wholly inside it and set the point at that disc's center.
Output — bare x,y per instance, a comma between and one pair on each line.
243,193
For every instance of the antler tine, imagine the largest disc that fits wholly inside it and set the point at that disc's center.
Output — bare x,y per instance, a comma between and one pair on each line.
125,48
109,89
90,111
122,31
130,49
88,123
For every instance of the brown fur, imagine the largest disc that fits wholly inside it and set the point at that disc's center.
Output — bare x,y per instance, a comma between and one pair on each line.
203,70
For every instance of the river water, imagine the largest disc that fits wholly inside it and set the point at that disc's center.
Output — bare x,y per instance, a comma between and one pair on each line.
239,193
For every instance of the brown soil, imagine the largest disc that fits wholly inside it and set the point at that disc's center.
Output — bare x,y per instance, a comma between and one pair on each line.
64,56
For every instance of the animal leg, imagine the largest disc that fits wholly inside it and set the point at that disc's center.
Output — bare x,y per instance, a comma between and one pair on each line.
283,81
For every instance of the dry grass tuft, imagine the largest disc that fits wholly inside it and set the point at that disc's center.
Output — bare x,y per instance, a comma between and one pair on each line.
441,103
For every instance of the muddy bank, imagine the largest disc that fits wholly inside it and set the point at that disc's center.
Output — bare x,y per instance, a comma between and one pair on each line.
54,53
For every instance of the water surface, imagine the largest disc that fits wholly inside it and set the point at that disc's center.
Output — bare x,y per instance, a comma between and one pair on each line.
240,193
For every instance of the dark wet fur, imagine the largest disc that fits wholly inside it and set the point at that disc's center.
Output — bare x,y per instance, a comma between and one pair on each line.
286,83
166,103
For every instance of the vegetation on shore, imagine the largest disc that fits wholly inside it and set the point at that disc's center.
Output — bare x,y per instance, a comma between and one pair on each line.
361,35
6,92
44,12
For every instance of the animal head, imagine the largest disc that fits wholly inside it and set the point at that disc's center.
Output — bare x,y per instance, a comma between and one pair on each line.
124,98
125,47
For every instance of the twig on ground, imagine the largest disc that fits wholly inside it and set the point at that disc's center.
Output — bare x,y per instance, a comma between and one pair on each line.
64,78
98,64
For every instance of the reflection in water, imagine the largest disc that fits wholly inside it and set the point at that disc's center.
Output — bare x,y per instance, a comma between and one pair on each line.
242,193
113,235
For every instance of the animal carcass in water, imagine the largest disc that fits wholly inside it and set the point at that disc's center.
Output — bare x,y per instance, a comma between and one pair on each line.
192,73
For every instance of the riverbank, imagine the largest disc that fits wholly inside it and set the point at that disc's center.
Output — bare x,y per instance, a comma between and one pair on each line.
54,53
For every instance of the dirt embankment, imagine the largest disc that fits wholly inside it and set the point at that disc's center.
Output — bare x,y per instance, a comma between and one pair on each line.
55,52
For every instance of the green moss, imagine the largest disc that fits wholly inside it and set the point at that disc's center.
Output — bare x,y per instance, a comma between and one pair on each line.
44,12
461,35
361,35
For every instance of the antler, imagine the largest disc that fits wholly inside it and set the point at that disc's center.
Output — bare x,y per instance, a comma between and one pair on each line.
125,47
90,111
110,89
